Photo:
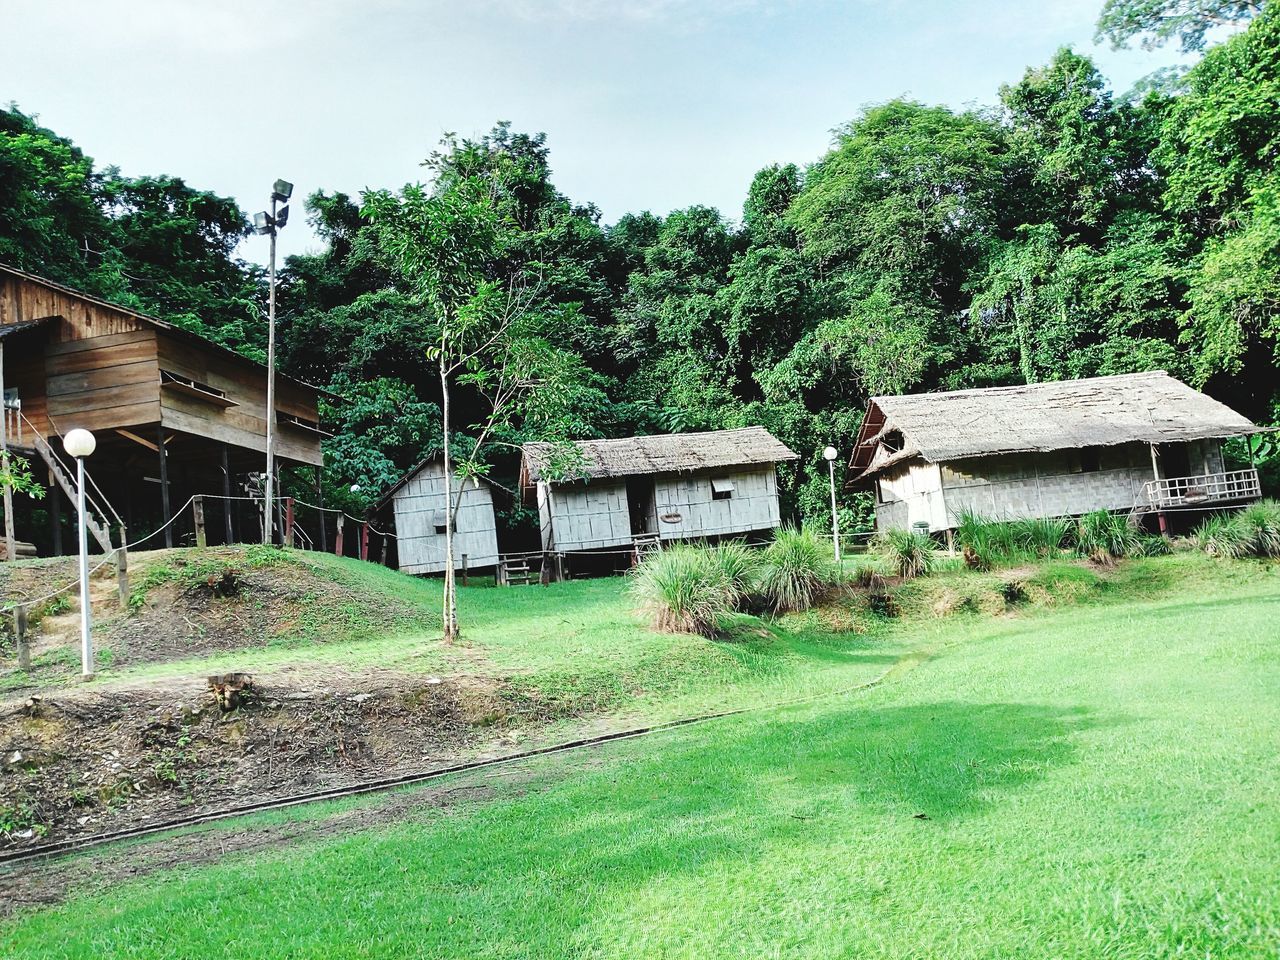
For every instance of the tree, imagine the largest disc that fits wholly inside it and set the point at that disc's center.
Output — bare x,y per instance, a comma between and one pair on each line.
493,327
1159,21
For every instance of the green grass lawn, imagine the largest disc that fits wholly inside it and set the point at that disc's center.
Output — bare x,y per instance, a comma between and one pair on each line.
1094,781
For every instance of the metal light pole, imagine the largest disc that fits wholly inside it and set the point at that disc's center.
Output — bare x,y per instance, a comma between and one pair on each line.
829,454
80,444
270,223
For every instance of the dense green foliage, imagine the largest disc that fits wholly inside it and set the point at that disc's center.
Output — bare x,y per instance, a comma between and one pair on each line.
1062,232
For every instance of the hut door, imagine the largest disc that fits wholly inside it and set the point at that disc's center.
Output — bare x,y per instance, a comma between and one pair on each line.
640,504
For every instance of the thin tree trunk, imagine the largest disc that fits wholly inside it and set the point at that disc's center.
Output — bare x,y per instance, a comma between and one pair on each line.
449,614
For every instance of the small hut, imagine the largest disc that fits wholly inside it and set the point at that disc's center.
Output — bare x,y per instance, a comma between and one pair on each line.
417,506
1142,442
614,494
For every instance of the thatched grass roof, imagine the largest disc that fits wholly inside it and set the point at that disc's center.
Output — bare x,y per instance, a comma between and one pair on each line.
668,453
1097,412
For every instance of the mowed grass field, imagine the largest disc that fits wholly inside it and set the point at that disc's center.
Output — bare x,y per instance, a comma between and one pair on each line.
1093,781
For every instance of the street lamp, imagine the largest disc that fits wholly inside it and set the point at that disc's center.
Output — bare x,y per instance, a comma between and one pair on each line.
270,223
80,444
829,454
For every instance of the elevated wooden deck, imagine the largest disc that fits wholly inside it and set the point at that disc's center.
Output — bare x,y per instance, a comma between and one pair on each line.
1209,489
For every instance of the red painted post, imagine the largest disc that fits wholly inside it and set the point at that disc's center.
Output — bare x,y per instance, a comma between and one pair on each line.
337,539
364,540
288,521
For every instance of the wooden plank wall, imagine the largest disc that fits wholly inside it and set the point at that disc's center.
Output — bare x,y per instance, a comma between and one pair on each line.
753,505
420,504
21,299
100,383
244,425
103,365
586,516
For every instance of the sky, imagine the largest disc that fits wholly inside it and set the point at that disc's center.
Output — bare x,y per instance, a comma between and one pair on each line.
647,104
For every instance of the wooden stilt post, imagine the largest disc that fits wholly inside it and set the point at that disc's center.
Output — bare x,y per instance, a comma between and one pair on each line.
464,570
20,637
197,514
165,516
337,540
55,514
364,540
226,494
122,567
10,543
385,540
288,522
324,537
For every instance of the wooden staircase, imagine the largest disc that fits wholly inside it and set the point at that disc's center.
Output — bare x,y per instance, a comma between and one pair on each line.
68,485
646,543
516,568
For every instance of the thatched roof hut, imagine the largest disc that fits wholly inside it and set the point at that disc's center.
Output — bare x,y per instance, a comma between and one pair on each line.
1151,408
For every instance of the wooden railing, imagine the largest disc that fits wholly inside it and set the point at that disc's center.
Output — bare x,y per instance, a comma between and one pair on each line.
13,421
1206,488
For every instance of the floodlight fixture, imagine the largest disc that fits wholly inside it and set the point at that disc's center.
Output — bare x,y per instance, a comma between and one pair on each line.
262,223
282,217
282,190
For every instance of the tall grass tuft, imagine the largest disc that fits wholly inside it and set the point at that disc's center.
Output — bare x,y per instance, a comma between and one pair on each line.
740,565
987,543
911,553
1253,532
1262,523
797,570
684,589
1105,537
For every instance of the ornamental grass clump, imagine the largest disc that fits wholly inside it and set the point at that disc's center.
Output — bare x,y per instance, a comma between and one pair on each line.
1106,537
986,543
1253,532
740,567
683,589
909,552
797,570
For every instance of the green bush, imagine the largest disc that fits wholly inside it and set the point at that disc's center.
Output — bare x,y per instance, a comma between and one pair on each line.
1105,537
684,589
797,570
910,553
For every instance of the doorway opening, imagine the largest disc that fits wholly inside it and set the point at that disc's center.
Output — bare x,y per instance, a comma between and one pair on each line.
640,503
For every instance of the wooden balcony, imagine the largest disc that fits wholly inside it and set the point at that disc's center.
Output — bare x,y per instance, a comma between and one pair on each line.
1231,487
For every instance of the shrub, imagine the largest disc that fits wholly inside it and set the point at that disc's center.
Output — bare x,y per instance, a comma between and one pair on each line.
1105,537
911,553
683,589
1154,546
797,570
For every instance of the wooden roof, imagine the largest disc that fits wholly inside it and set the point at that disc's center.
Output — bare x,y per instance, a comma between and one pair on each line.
1096,412
666,453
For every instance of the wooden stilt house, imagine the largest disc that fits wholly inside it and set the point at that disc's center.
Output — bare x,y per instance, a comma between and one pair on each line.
173,413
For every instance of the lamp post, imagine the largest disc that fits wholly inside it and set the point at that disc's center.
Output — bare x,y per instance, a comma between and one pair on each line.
829,454
80,444
271,223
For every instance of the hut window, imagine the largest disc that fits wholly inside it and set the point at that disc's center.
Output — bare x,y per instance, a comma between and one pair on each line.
437,521
721,488
1089,462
